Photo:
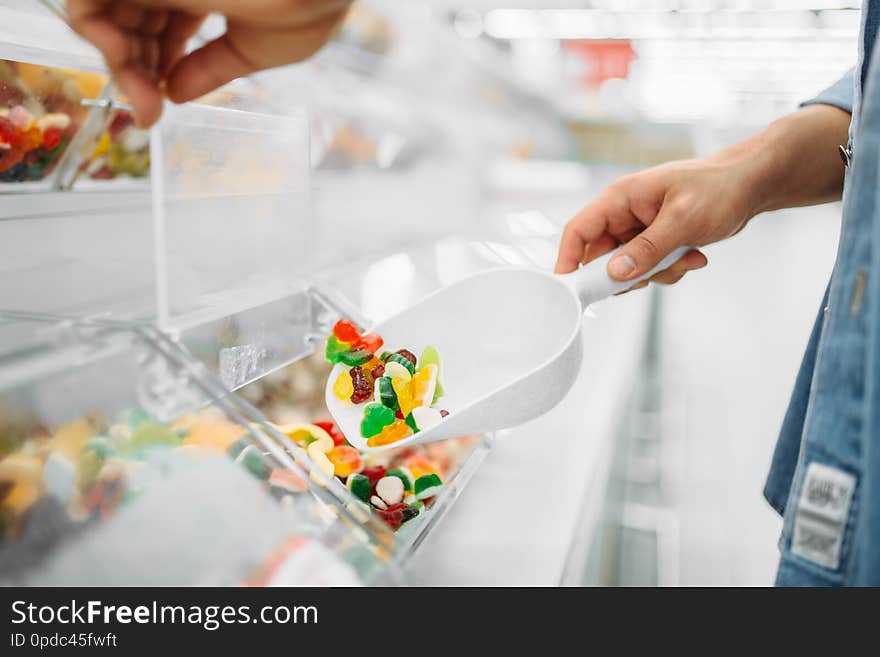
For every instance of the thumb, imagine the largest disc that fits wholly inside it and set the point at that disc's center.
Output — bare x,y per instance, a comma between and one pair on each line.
645,251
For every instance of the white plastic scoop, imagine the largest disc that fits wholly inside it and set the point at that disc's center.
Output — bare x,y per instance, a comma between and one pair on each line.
509,342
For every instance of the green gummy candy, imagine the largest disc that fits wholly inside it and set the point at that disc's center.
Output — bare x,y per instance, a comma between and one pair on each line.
397,358
386,393
430,356
100,447
438,392
334,349
150,433
253,462
359,485
411,422
376,418
384,356
427,486
404,475
355,357
238,447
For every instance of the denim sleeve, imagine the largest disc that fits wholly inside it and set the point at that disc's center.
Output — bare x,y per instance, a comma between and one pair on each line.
840,94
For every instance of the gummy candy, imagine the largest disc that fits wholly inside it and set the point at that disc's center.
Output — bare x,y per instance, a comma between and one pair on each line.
420,466
397,371
394,516
374,473
390,489
346,331
360,486
346,460
391,433
29,139
287,480
307,434
333,431
378,502
321,461
335,348
430,356
411,423
376,418
371,342
151,434
378,370
427,486
404,396
423,385
406,353
7,130
362,388
403,473
343,388
406,362
385,394
251,458
52,137
355,357
425,417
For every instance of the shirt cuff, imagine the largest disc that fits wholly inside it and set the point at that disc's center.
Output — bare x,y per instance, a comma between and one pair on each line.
840,94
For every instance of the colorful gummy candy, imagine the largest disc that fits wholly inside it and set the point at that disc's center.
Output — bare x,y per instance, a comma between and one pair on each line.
400,389
30,146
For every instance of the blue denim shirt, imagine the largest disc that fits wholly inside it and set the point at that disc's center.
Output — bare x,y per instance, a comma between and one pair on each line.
825,475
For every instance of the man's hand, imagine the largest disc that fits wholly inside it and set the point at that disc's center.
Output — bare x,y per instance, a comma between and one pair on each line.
144,42
698,202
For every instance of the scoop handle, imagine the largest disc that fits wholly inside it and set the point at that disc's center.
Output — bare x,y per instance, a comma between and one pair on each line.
592,282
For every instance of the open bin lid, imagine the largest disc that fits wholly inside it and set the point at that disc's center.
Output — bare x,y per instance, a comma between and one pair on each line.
118,466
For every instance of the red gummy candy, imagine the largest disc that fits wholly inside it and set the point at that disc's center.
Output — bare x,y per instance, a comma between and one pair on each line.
7,130
363,387
397,514
335,434
374,474
371,342
379,370
346,331
9,157
406,353
393,515
52,137
443,412
399,414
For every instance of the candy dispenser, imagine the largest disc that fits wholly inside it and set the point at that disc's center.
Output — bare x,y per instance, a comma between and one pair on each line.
102,427
162,330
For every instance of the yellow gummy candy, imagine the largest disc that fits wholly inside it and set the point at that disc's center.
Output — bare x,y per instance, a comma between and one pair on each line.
344,387
404,395
423,384
391,434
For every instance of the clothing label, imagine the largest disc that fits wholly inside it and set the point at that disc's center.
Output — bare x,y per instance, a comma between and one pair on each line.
821,514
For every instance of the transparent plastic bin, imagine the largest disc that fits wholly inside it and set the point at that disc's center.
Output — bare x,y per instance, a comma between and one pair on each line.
119,464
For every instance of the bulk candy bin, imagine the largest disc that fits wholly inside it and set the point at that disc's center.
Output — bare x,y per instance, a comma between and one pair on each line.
164,299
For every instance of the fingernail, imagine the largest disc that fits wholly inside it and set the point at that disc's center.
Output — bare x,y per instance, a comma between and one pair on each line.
621,266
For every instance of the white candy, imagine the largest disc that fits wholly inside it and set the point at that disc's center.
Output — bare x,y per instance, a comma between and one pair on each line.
426,417
322,463
390,489
397,371
378,503
59,475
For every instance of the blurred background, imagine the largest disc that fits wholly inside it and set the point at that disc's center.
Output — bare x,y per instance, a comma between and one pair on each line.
445,136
